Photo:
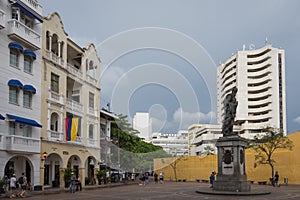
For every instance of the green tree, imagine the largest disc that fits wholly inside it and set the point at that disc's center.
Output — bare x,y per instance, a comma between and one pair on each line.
129,149
209,150
173,165
266,144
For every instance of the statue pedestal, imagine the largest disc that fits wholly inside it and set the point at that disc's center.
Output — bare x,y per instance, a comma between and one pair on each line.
231,165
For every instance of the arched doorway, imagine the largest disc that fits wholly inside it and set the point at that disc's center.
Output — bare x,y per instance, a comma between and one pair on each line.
17,165
90,170
52,165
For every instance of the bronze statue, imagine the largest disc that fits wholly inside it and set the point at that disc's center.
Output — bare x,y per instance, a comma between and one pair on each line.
230,105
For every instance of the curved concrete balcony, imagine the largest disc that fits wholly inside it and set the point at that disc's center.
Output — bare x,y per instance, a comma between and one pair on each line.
261,102
259,80
259,59
19,32
259,69
34,5
259,95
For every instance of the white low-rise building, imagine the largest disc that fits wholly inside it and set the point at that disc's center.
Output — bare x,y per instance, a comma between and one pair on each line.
174,144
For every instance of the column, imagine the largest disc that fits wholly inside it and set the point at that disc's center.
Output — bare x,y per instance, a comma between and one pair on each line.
61,178
50,43
42,171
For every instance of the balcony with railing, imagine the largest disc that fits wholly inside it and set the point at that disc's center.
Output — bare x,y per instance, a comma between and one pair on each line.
22,144
74,106
93,112
2,142
56,98
19,32
74,71
92,142
55,136
2,19
34,5
54,58
91,80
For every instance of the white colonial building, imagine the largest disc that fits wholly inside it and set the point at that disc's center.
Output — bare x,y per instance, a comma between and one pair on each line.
20,91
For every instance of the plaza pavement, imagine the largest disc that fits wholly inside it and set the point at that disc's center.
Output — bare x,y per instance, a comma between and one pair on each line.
168,190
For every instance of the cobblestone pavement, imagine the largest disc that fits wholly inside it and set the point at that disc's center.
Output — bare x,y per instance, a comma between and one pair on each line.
169,190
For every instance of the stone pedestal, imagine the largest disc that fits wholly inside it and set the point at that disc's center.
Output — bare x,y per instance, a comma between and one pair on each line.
231,165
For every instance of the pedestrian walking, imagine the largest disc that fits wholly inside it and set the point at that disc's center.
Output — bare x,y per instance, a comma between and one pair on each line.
155,178
23,185
13,186
276,179
212,179
73,183
161,177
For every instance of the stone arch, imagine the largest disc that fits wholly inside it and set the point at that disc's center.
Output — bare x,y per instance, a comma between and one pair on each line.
18,164
54,121
52,165
90,165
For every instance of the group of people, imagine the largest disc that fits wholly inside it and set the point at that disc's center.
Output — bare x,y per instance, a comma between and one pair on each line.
274,180
161,178
16,187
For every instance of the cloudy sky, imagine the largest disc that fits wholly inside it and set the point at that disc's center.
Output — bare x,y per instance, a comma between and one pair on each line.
160,56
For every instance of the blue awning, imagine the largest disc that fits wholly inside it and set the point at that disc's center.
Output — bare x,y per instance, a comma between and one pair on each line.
14,82
1,117
30,53
27,12
22,120
29,88
15,45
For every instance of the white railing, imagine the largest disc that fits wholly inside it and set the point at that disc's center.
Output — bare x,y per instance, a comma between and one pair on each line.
93,111
92,142
55,136
2,142
73,70
74,105
54,58
34,5
2,19
22,144
55,97
25,33
91,80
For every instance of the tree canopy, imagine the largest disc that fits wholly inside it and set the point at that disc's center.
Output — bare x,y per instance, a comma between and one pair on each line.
130,150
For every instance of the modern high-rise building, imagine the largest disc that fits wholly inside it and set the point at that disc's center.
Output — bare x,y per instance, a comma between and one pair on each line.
259,76
141,122
20,88
70,106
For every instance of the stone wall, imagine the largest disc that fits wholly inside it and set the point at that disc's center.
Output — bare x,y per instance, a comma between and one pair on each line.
199,168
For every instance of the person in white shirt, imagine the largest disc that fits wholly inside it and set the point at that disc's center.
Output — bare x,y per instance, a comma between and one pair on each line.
13,182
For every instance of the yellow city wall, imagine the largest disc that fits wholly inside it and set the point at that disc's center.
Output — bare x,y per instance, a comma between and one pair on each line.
194,168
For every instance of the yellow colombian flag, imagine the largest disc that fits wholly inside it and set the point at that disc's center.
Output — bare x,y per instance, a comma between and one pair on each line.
74,129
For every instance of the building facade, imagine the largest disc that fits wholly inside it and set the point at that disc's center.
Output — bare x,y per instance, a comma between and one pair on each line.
20,91
70,106
141,122
174,144
259,76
